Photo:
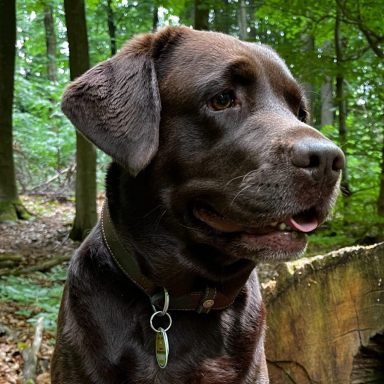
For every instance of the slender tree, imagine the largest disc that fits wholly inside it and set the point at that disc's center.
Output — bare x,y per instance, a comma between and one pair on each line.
223,16
251,11
51,44
380,200
341,101
86,214
10,205
243,22
50,41
326,99
201,15
326,94
309,88
111,27
155,19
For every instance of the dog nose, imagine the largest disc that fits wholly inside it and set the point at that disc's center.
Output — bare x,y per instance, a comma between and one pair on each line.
320,157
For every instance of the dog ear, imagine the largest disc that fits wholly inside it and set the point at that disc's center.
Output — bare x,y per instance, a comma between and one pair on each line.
116,105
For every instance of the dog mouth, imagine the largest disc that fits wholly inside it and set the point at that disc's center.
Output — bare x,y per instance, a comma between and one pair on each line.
284,237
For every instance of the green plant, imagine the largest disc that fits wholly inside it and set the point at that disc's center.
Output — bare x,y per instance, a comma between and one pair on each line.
38,295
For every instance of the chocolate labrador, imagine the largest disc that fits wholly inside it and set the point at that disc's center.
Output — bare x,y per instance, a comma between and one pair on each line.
214,170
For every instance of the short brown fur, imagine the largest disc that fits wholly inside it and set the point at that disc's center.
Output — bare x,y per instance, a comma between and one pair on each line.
183,168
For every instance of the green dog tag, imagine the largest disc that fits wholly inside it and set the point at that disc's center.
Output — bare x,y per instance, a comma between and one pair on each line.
162,348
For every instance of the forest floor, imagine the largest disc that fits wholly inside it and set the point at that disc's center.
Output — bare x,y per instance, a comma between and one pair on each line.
26,295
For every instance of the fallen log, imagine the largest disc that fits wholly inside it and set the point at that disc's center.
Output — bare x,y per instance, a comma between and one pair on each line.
41,267
326,319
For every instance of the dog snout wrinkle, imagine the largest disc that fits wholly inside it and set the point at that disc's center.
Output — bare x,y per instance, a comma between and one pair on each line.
319,157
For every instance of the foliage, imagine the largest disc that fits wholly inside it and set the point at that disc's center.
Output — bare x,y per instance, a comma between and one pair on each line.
37,295
287,27
302,32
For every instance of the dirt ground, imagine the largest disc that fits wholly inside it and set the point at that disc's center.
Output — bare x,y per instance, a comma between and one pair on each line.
38,240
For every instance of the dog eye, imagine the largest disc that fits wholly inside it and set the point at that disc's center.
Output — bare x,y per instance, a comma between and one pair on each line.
222,101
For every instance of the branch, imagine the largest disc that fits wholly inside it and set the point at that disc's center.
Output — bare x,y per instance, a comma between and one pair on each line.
30,354
373,41
53,178
42,267
10,257
373,38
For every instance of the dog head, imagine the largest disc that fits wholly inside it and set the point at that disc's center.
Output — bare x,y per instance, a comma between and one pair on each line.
224,124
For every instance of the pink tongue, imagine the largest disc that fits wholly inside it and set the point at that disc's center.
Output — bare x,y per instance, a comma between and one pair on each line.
304,226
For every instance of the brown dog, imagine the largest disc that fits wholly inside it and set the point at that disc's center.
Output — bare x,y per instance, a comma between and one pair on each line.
215,169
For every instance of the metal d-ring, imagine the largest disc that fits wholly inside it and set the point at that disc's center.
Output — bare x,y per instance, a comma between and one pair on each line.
166,303
160,313
162,344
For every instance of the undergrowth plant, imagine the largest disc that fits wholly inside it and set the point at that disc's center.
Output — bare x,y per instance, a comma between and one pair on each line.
37,295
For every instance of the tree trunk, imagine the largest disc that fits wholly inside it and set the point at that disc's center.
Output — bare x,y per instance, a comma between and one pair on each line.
111,27
10,205
325,318
50,41
243,24
341,104
326,117
380,201
155,20
222,17
201,16
309,47
251,11
86,214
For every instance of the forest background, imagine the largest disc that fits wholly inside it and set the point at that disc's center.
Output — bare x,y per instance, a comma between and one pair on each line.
335,48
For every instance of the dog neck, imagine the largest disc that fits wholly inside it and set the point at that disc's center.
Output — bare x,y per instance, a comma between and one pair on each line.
200,301
136,233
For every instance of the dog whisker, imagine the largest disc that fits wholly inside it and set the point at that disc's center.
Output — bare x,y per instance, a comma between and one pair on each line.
152,211
243,177
197,230
158,220
240,192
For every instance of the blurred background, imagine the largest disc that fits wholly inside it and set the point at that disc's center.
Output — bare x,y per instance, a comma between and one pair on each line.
51,181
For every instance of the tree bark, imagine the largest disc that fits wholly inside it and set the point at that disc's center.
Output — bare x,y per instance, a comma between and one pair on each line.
326,117
380,200
155,20
111,27
51,44
10,205
309,47
201,16
86,214
341,104
251,11
50,41
325,318
222,17
243,24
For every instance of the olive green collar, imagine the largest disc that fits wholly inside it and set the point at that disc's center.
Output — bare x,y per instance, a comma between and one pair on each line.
199,301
